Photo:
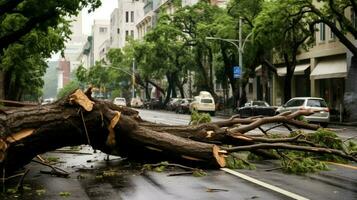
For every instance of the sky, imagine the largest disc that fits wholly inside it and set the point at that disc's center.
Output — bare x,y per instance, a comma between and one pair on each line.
102,12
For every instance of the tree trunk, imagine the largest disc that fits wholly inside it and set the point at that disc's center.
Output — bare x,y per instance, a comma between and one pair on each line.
79,119
350,96
2,85
228,70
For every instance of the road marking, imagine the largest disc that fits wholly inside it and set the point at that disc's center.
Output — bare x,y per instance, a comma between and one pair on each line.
263,184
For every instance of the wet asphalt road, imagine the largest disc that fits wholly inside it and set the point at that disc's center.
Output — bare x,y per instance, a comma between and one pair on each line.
91,177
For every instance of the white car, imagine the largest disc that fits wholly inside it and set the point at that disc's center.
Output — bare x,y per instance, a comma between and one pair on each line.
204,102
322,116
48,101
136,102
119,101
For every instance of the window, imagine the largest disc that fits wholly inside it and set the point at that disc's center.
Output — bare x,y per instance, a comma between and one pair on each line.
102,29
295,103
332,35
132,33
316,103
126,35
118,31
322,32
126,16
132,16
206,101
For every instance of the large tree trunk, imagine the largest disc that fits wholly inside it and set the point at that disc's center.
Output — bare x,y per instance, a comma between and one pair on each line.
79,119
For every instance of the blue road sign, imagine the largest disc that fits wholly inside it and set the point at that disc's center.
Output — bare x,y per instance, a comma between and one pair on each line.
236,72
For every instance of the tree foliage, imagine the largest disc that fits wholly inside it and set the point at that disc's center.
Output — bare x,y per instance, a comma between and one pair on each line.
30,31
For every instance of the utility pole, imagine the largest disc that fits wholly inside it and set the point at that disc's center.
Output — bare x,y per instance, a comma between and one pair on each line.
240,57
133,81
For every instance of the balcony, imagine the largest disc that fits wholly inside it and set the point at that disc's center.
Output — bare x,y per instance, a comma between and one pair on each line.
148,6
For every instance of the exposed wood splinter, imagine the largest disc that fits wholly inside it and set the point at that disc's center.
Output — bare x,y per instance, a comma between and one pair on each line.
81,99
113,123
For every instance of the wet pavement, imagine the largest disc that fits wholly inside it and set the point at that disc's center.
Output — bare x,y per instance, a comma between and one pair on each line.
92,177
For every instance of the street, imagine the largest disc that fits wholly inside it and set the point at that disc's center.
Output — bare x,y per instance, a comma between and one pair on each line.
166,117
91,177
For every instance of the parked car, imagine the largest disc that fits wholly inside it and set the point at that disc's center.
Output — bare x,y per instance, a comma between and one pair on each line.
136,102
322,116
48,101
153,104
184,106
255,108
173,103
204,102
120,101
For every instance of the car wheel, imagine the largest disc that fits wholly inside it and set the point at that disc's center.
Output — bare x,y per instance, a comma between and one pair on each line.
213,113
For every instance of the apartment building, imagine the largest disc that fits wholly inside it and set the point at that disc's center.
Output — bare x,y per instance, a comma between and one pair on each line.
321,71
75,44
100,33
124,20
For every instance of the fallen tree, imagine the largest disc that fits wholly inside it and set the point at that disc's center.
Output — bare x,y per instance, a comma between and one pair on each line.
79,119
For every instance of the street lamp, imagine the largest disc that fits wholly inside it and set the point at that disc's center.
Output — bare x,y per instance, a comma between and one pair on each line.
133,80
240,46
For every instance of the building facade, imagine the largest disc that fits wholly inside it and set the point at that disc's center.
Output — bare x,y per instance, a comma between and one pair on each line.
321,71
100,33
124,20
75,45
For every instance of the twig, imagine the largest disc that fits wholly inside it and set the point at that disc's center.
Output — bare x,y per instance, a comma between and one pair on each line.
262,130
180,173
57,170
21,181
292,147
272,169
71,152
275,126
216,190
173,165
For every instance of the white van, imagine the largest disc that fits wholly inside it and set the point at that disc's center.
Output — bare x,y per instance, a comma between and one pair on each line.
204,102
120,101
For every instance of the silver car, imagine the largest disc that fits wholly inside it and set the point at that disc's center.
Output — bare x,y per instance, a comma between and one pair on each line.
322,116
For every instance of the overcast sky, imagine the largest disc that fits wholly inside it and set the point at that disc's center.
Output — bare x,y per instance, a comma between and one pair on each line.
102,12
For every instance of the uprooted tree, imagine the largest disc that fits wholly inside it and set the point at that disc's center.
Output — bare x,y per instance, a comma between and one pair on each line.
79,119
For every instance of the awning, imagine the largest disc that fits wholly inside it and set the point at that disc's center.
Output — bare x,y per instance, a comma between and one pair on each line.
336,68
299,70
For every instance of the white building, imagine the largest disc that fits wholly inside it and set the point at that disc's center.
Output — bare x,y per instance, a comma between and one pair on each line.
75,45
103,50
188,2
100,33
124,26
114,29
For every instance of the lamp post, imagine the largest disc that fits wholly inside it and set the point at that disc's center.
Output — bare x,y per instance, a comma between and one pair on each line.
240,46
133,81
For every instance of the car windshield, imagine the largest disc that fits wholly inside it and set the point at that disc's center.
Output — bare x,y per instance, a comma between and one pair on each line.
295,103
316,103
260,103
206,101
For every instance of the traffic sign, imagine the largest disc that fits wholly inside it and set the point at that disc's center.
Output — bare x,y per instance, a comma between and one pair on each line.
236,72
